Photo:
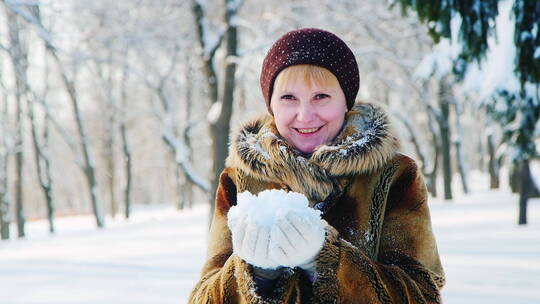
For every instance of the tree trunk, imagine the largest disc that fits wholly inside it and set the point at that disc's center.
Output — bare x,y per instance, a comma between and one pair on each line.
4,154
514,178
444,127
19,59
127,156
105,72
459,152
89,169
111,174
126,150
110,140
481,156
493,164
431,182
41,152
220,130
19,208
179,188
4,198
207,55
431,185
43,166
48,190
187,190
526,185
187,186
88,166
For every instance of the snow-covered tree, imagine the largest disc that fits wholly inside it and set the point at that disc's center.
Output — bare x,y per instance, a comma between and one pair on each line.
18,53
220,113
495,49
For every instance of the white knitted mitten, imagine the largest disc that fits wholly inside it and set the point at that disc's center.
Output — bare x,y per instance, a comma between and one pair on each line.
296,238
251,241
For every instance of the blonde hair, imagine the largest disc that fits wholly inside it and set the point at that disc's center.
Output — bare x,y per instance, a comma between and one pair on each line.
308,73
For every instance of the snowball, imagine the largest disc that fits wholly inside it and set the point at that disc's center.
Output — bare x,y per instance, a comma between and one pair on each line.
264,207
269,208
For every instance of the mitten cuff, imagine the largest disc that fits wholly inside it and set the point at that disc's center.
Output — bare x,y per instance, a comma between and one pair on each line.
282,286
265,273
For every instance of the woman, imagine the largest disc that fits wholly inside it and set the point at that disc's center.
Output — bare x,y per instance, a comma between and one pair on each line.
378,245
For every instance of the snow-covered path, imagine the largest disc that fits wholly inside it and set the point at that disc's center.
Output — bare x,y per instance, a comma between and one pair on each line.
156,256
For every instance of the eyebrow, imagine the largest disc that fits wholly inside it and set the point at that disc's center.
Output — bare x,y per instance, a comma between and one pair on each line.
285,90
329,93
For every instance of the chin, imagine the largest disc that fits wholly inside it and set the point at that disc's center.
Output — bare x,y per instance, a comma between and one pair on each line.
309,151
307,148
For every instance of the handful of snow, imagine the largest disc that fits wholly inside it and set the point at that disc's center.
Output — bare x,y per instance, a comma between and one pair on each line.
269,205
263,234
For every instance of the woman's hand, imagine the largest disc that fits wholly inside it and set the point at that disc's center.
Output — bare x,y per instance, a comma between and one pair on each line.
251,241
296,239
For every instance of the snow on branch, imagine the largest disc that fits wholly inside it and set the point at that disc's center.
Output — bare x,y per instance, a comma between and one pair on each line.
209,45
234,5
417,146
214,113
67,139
27,2
169,136
43,33
181,157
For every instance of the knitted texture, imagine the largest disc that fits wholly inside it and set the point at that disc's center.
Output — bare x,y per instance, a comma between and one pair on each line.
316,47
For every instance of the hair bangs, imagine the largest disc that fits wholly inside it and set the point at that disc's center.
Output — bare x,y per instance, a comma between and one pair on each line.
308,73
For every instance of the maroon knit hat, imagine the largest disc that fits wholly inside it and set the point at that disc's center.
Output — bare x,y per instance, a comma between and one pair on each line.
316,47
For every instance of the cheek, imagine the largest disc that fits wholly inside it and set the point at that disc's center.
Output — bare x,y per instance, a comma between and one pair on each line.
282,118
333,115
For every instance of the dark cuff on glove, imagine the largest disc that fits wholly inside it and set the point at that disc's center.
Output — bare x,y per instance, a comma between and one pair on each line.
265,279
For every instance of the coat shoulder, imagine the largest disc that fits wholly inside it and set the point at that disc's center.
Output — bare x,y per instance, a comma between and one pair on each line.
226,191
405,161
407,190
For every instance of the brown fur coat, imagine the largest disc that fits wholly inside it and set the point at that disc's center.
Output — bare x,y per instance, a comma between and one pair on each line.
379,247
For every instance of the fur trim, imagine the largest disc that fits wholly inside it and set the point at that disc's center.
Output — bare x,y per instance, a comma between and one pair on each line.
364,145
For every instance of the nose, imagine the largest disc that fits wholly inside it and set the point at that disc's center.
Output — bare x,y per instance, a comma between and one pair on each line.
305,113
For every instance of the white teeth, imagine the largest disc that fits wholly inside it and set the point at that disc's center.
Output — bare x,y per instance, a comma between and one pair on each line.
305,131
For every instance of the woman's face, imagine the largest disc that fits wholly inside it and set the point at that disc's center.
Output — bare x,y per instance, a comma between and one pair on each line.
308,114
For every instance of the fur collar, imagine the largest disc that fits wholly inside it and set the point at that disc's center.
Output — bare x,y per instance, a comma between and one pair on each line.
364,145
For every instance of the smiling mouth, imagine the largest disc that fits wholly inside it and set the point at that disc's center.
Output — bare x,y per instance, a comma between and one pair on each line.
307,131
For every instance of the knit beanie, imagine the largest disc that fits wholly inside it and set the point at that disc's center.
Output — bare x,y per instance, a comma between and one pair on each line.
316,47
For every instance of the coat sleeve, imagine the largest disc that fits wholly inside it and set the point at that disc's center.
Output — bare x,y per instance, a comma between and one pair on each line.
225,277
407,268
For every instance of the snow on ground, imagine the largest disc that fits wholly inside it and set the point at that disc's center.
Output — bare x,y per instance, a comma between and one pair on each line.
156,257
487,257
153,258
